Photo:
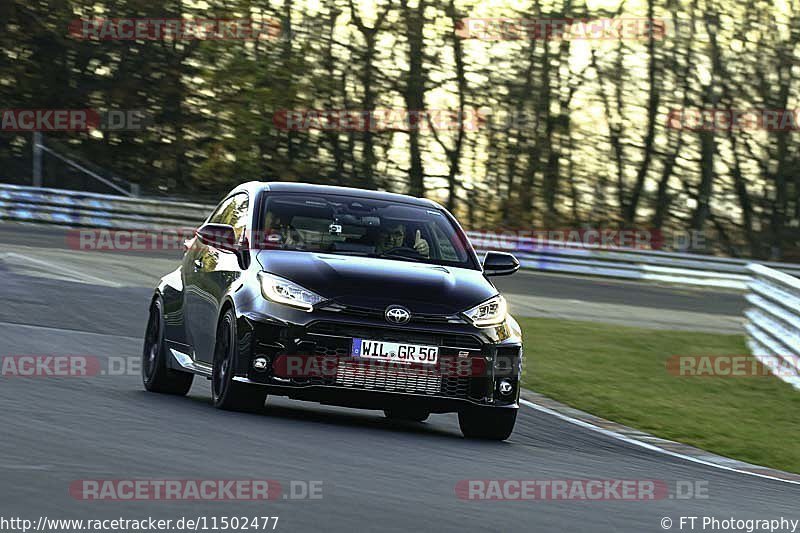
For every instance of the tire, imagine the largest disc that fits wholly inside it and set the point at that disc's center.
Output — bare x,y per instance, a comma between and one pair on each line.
491,423
225,392
156,376
410,415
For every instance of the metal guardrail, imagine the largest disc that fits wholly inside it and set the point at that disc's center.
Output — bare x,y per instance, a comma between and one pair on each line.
85,209
773,322
634,264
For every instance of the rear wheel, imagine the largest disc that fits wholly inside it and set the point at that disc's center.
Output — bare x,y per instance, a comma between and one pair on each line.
411,415
156,376
490,423
227,393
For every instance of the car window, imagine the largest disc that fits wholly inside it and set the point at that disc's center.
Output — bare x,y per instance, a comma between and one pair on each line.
221,212
356,226
232,211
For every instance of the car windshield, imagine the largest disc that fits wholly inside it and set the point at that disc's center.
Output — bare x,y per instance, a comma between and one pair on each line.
356,226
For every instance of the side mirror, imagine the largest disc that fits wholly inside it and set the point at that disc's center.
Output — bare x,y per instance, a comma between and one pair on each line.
220,236
499,264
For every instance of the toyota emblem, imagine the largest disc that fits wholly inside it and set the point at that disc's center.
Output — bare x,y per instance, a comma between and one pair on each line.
397,314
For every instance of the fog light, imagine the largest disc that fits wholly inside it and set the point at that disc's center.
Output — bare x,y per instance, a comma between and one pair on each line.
506,387
260,364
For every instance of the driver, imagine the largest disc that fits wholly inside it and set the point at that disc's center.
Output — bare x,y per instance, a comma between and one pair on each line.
394,235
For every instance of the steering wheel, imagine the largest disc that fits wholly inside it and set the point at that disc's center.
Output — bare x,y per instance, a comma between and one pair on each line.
402,250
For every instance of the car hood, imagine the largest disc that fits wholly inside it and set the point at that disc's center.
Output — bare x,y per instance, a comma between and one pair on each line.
375,283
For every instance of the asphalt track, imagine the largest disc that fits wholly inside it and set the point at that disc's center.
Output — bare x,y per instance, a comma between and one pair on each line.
376,475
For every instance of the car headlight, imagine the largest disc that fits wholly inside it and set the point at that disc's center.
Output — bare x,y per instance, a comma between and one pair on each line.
283,291
489,313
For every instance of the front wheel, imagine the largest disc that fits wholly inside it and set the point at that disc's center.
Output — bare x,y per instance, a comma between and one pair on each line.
227,393
156,376
491,423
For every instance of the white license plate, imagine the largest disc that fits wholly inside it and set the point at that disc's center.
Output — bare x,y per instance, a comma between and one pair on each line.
395,351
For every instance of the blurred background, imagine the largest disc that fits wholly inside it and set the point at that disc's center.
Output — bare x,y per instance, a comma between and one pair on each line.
506,126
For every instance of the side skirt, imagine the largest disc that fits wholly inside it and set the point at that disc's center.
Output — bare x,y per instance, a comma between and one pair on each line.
179,360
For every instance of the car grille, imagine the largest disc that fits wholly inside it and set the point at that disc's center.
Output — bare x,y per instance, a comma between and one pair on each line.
335,340
388,379
329,350
394,379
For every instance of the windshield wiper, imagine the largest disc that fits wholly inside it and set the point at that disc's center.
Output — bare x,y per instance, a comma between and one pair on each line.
400,257
344,252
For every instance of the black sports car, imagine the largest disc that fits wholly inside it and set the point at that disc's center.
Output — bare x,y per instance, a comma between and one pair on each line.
340,296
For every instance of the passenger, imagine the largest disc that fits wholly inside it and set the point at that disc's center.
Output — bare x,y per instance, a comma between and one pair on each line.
282,232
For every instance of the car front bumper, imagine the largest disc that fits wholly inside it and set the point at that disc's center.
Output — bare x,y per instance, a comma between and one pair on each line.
310,358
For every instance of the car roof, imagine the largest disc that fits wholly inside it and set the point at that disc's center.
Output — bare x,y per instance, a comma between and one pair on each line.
253,187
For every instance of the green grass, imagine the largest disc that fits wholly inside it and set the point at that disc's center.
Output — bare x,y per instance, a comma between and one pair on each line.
619,373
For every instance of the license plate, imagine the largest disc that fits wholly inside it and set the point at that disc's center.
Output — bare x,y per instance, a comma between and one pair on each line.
395,351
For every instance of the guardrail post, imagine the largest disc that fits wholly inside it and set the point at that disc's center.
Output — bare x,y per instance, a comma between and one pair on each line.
37,159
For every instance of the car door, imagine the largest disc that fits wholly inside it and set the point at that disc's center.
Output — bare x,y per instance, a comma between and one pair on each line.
208,272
